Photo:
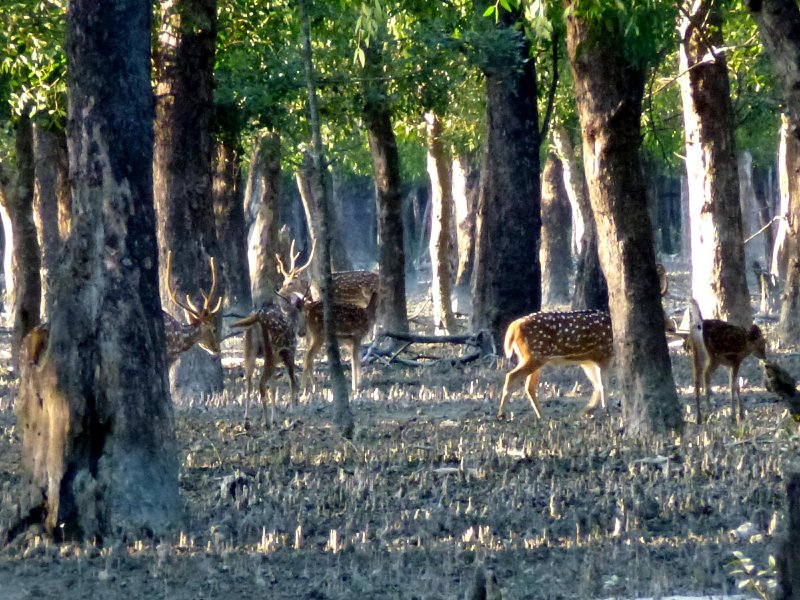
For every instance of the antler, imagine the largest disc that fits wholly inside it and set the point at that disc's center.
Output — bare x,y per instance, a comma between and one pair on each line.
293,271
189,306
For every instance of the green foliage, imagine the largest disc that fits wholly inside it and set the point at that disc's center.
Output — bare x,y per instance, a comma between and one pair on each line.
762,581
34,65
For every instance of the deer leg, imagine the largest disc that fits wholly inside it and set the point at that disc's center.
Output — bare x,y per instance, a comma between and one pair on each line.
737,414
288,361
698,371
266,374
512,382
355,359
314,345
249,367
595,375
531,383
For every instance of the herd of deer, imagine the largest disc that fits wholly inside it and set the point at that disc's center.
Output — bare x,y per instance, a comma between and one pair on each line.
574,337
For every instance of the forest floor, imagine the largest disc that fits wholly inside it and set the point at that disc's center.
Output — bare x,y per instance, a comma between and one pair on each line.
432,486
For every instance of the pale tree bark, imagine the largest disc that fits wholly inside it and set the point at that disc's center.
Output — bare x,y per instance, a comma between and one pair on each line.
441,241
787,157
507,281
263,191
609,90
231,233
343,416
753,249
778,23
184,63
25,258
591,289
466,181
719,281
50,195
377,113
556,251
686,220
94,413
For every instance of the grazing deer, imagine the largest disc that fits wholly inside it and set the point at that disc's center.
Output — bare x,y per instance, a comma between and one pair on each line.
351,322
580,337
349,287
713,343
201,327
276,336
178,337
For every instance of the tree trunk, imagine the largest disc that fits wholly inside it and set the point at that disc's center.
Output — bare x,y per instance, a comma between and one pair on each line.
591,290
52,187
263,184
182,171
787,156
507,282
343,416
466,181
719,281
94,413
778,22
231,233
556,251
392,311
686,220
609,90
441,242
25,259
753,249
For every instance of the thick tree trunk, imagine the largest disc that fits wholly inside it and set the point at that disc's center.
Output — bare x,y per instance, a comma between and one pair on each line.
231,233
719,281
94,413
50,155
778,22
609,90
556,251
442,230
343,416
591,290
263,190
507,282
392,312
25,258
182,171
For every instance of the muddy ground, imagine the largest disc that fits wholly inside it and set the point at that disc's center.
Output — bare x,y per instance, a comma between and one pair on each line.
431,486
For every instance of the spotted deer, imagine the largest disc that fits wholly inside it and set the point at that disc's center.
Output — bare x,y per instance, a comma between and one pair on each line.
349,287
199,329
713,343
580,337
276,336
352,324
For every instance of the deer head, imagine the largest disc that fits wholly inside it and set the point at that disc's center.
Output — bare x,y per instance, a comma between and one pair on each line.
295,279
201,327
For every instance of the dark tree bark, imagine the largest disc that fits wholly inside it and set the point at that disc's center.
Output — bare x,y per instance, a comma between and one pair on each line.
343,416
392,312
264,185
94,412
182,170
778,23
442,230
50,201
25,259
507,283
556,251
231,233
719,281
609,90
787,559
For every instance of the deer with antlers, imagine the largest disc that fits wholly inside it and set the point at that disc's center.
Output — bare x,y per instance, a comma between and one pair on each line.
579,337
352,323
713,343
199,329
276,337
349,287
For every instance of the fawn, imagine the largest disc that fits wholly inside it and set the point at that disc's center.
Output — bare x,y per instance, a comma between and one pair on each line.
579,337
276,336
713,343
352,323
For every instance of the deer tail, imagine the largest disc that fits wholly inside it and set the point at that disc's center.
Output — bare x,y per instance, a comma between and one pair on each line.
511,338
